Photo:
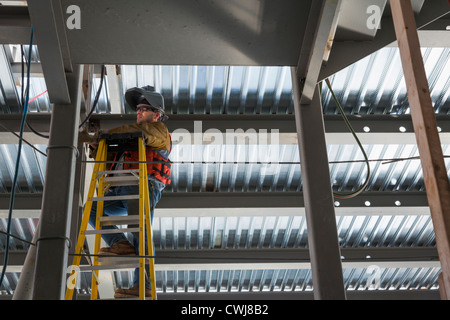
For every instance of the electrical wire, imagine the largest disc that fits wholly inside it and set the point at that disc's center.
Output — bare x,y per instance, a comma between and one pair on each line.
96,97
22,126
28,84
12,132
349,195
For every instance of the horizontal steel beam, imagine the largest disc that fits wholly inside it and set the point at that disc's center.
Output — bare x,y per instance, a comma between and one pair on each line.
185,204
230,35
48,29
304,295
280,295
345,53
168,259
371,129
283,123
282,200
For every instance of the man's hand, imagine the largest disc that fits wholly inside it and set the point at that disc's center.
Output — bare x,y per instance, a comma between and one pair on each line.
85,137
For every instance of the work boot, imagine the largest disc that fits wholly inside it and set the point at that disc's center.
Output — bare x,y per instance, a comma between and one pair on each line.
132,292
122,248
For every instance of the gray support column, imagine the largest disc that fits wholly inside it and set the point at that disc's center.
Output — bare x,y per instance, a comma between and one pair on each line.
53,244
24,288
319,206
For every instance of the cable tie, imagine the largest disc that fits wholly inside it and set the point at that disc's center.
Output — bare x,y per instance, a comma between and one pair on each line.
64,147
55,238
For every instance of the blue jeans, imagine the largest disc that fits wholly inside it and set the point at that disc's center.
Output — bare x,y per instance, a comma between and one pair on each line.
123,207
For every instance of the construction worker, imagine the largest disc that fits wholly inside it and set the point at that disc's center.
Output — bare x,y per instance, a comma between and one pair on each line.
149,106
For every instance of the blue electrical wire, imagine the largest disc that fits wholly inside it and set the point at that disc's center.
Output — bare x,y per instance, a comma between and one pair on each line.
19,151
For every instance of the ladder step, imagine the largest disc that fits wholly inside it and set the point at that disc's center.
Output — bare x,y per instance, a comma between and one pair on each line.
114,263
114,266
119,220
110,198
118,171
121,180
110,231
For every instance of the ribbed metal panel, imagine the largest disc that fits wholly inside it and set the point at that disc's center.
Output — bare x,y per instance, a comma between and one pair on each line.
289,232
206,168
376,83
23,228
32,168
372,85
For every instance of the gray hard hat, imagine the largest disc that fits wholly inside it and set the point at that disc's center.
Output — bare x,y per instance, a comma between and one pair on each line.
135,96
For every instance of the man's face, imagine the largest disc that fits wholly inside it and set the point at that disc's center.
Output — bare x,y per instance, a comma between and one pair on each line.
145,114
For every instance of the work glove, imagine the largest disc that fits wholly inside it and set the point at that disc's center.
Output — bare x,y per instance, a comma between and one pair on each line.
85,137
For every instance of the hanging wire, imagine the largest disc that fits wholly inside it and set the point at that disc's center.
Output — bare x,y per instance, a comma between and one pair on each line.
342,195
16,172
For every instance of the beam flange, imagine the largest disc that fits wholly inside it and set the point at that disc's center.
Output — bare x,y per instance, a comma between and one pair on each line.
345,53
46,20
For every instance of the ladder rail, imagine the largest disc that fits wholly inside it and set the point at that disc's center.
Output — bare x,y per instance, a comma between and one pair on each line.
148,225
98,226
144,218
142,196
85,219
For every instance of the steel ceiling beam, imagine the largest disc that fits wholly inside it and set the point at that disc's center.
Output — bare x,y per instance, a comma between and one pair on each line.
386,257
319,36
320,216
303,295
371,129
284,123
258,41
49,31
345,53
286,295
29,204
15,25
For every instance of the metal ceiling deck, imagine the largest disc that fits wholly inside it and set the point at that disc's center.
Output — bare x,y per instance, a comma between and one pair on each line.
373,85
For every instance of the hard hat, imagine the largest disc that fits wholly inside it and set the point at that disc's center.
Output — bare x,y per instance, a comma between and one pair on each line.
134,96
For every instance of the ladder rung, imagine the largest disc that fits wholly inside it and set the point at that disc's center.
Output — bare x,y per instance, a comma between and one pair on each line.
119,220
117,171
114,263
121,180
129,265
110,198
109,231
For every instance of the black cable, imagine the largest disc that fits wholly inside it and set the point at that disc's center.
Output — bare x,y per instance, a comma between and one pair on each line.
18,136
16,237
96,97
22,97
13,188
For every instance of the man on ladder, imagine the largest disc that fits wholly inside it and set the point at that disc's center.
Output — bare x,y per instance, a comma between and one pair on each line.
149,106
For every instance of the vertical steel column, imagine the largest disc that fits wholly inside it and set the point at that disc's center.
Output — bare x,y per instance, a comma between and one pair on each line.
53,242
24,288
319,206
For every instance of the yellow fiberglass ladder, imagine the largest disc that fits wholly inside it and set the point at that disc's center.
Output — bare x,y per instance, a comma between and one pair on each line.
102,180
